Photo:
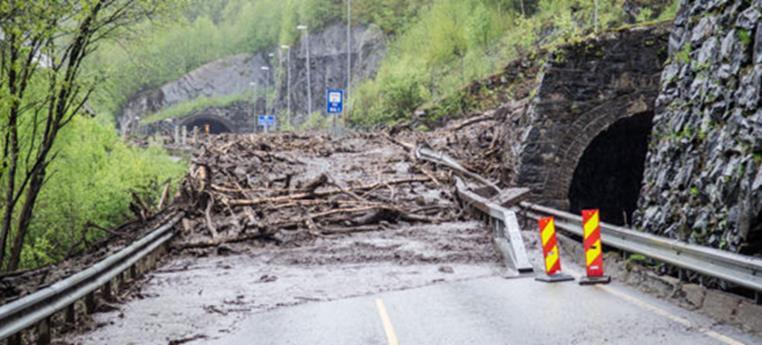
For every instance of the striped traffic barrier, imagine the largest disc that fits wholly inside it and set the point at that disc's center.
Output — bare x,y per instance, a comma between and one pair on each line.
593,249
550,251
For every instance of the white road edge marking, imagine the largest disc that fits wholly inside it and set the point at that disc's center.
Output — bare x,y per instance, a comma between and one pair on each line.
391,337
659,311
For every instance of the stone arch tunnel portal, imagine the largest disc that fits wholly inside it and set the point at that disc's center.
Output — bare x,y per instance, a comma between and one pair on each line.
217,125
609,173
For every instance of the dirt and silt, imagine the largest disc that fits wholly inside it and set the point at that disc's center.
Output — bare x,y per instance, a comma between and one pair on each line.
286,219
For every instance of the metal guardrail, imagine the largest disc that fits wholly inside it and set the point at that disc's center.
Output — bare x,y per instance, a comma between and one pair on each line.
738,269
505,226
735,268
507,234
39,306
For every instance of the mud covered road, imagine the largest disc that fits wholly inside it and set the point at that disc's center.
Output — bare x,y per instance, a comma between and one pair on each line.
230,262
308,240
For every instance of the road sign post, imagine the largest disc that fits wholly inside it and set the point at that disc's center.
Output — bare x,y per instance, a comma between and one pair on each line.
266,121
334,104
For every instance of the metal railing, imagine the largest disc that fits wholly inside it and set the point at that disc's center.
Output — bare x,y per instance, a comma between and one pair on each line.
505,225
507,234
38,307
739,269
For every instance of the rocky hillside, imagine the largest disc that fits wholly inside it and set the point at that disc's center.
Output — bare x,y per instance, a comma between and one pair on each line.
232,75
703,178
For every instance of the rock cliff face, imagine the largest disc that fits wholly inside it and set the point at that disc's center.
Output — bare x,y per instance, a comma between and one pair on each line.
233,75
328,61
228,76
703,177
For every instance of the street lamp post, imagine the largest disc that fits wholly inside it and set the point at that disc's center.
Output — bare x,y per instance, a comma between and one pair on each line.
349,53
254,104
288,82
267,84
309,68
267,89
274,104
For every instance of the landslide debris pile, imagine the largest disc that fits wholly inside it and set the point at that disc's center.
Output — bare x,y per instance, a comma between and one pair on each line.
290,187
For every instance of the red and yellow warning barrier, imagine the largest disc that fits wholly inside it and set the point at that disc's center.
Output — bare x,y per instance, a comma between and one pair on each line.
593,248
550,252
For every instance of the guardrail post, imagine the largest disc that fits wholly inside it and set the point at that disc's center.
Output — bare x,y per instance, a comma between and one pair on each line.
90,303
134,271
15,339
71,314
43,332
108,294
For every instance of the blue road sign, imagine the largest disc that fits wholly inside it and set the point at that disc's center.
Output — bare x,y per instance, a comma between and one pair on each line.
335,101
266,120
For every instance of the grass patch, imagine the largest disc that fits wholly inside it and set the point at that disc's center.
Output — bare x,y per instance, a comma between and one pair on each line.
187,108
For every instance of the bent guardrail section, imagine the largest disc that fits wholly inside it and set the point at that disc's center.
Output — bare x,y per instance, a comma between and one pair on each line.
505,226
735,268
39,306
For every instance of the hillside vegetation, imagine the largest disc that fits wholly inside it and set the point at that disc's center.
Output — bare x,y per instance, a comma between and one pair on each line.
436,46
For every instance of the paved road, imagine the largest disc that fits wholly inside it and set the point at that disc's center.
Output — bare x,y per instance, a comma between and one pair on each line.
487,311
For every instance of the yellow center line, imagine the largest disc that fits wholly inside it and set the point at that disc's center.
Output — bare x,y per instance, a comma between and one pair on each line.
391,337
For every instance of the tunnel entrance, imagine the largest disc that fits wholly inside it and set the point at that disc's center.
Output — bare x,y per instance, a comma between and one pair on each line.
609,174
753,245
216,125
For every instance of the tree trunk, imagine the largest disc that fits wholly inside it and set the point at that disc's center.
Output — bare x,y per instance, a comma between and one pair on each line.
12,146
25,218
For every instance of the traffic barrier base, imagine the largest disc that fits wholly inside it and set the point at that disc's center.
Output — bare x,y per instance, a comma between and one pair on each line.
594,280
550,251
554,278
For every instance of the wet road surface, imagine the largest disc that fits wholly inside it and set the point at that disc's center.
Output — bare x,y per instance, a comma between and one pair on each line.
483,311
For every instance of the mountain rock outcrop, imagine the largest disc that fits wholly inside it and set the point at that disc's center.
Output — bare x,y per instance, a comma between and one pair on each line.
234,75
703,176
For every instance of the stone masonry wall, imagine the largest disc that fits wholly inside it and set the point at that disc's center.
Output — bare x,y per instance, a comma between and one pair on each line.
584,88
703,178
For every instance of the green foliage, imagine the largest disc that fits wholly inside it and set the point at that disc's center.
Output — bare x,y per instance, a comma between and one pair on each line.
187,108
644,15
695,191
670,12
158,52
455,41
315,121
745,37
684,55
91,182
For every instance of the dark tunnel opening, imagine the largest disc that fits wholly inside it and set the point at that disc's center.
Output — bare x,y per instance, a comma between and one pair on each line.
753,245
609,174
215,126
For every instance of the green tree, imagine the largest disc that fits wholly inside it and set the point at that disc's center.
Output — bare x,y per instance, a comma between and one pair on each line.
46,43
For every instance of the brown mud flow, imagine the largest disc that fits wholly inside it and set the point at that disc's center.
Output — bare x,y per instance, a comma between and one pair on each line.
286,219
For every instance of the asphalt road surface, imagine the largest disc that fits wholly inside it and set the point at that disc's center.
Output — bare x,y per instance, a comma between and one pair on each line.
483,311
